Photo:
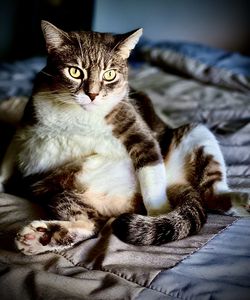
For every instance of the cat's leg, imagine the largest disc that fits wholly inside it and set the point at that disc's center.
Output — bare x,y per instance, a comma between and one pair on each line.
145,153
237,203
44,236
213,178
73,220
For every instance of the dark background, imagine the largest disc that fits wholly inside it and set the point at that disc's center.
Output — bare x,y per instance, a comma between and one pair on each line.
20,23
218,23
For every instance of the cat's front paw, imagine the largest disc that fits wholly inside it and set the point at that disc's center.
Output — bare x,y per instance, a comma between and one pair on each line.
33,238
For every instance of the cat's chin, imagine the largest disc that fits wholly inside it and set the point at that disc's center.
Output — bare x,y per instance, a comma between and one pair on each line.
88,106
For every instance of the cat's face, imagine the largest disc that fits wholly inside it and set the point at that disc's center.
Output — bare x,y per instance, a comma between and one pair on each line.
89,67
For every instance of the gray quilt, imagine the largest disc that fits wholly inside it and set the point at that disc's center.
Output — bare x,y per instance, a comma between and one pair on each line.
215,264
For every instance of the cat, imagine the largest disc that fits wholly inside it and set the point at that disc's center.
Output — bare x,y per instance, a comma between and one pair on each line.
90,149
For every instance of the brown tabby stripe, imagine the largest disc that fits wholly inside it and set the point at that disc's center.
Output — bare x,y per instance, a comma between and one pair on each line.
57,190
218,203
134,134
202,171
165,140
169,139
189,205
60,235
48,233
180,133
145,108
54,181
70,205
163,132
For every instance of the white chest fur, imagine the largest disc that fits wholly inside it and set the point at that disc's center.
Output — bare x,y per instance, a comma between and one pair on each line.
63,135
107,173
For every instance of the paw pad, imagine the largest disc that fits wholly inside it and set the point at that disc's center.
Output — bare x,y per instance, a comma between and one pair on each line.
29,236
32,238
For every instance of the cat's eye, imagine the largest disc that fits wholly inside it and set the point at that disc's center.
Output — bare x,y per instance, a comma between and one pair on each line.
109,75
75,72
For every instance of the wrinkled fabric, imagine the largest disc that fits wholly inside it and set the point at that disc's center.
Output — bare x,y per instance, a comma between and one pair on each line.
235,62
220,270
99,268
206,64
16,79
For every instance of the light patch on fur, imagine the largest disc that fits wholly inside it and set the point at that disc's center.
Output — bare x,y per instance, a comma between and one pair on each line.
111,184
153,184
109,205
82,99
197,137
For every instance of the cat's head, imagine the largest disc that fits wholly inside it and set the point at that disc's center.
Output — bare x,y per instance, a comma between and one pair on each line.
91,67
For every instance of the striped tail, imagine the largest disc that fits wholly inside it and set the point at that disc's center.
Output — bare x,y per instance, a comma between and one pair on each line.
186,219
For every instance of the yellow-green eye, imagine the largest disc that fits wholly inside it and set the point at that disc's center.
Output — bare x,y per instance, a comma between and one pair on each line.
109,75
75,72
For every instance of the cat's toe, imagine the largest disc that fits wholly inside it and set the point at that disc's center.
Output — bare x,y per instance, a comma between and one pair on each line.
30,240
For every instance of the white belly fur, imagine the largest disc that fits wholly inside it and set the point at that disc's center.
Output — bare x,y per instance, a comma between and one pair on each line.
111,184
108,176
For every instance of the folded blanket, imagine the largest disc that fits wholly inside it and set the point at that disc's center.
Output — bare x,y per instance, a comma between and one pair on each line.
206,64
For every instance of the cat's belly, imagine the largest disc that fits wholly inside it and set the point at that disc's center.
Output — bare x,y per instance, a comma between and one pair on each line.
41,151
107,178
110,185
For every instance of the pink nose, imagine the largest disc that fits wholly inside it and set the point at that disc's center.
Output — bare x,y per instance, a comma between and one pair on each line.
92,96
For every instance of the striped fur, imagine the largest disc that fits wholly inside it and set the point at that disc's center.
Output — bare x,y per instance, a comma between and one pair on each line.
88,151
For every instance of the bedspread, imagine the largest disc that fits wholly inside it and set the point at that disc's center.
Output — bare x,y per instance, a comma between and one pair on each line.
187,83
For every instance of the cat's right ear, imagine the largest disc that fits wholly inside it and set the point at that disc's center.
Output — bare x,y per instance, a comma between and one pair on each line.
54,36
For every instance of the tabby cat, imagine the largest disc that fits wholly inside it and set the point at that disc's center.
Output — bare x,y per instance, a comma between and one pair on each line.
89,150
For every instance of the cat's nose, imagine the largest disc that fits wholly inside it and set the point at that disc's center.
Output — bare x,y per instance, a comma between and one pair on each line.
92,96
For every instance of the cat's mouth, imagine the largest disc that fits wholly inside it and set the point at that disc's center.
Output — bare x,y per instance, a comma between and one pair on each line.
86,103
90,106
84,100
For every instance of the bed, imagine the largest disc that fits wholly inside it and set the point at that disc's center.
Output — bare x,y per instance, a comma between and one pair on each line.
187,83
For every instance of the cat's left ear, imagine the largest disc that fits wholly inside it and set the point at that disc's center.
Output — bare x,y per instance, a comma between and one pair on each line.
54,36
128,42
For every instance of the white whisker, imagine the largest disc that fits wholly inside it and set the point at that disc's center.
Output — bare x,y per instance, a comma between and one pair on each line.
47,74
79,42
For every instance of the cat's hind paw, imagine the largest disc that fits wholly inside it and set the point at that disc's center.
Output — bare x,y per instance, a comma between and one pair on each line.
240,204
43,236
33,238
